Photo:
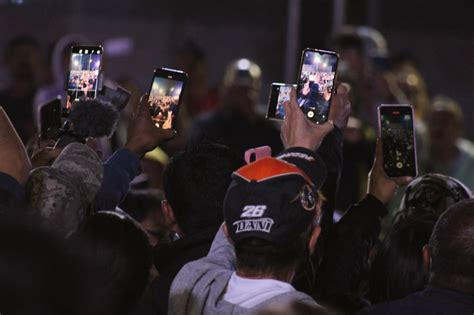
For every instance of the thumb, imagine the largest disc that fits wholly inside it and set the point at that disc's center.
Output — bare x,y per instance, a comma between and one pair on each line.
141,108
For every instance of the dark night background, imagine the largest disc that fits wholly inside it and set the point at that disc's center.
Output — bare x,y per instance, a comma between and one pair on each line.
438,33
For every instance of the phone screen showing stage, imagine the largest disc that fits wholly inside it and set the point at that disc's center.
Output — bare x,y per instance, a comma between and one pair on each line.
398,140
84,72
279,94
165,97
316,83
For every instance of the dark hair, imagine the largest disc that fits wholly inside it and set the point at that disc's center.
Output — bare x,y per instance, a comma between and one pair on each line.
348,41
397,269
37,272
195,183
118,260
452,248
257,257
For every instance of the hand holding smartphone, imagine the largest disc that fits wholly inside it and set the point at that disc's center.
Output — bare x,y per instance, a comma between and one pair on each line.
396,129
165,97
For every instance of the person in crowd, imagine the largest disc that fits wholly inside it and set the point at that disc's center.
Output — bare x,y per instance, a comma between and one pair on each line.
446,152
124,165
359,136
236,122
448,258
24,62
62,194
271,211
38,272
117,264
195,183
144,206
397,267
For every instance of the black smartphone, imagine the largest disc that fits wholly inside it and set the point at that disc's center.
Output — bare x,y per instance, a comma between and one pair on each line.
50,119
316,83
84,68
396,129
279,94
165,96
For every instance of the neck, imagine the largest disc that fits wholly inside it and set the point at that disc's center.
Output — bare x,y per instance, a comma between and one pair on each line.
287,277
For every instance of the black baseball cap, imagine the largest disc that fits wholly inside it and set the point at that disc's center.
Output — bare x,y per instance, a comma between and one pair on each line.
274,198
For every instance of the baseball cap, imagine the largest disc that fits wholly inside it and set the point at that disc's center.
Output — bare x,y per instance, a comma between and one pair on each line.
62,193
274,198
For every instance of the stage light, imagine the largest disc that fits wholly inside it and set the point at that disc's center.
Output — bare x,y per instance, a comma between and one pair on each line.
317,58
243,64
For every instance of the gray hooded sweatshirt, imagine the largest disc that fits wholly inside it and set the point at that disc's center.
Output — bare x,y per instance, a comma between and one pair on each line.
199,286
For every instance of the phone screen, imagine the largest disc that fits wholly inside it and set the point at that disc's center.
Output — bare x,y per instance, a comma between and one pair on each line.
316,83
279,94
84,71
165,97
398,140
50,119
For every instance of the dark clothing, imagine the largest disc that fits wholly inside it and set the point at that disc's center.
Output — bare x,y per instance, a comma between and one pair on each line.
236,132
432,301
334,272
344,250
10,186
20,112
169,258
119,170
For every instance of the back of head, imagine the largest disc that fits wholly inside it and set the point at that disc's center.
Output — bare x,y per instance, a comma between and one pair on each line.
36,272
452,248
195,183
118,260
397,269
269,210
433,193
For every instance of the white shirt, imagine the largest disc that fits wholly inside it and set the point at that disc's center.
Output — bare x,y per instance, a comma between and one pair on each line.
250,292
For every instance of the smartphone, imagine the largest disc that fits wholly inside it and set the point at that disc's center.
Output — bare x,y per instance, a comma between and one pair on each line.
84,71
255,154
279,94
316,83
165,96
50,119
396,129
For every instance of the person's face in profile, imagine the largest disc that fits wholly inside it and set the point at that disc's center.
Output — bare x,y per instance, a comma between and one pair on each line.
306,89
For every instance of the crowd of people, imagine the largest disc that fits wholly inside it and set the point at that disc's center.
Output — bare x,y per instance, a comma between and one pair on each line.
172,223
162,110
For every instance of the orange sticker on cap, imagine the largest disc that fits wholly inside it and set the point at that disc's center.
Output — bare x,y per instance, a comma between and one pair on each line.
268,168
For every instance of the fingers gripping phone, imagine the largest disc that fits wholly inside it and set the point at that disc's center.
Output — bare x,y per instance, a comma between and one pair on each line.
316,83
164,97
279,94
83,77
396,128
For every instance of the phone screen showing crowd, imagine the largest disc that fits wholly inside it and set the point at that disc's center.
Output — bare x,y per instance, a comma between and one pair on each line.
316,83
84,72
164,101
398,141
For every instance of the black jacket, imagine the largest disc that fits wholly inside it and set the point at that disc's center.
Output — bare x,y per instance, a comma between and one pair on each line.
433,301
169,258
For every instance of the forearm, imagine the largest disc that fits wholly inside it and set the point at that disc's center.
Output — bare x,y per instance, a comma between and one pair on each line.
222,251
119,170
331,153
